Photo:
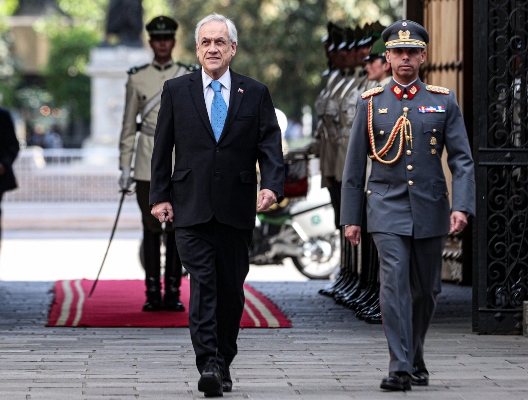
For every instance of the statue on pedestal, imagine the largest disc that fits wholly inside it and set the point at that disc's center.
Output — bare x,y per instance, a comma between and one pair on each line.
124,20
37,8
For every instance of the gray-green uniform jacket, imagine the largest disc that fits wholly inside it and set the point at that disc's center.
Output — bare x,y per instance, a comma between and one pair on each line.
144,85
409,197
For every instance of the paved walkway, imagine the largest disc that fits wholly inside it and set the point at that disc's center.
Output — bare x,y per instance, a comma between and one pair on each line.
328,354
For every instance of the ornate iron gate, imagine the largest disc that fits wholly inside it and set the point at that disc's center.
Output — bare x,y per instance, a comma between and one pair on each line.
501,158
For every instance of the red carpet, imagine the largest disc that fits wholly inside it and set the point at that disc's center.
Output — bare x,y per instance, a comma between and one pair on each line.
118,304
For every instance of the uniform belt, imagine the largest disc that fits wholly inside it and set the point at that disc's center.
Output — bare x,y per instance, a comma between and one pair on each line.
148,130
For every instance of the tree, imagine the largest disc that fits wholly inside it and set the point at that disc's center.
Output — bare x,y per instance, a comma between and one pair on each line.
64,75
280,41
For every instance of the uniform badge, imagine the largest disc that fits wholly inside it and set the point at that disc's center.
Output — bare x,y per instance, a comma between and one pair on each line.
371,92
404,35
240,90
383,110
433,141
437,89
431,109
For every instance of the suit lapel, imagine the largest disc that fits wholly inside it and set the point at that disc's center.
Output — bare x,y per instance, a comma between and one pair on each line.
197,94
235,99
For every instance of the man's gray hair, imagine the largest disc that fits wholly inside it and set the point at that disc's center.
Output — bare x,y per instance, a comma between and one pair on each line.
231,29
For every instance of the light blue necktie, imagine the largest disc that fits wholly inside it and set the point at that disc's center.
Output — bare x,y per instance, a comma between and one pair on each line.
218,110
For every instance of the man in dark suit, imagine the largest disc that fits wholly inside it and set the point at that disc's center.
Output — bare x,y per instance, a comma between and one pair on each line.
8,152
220,124
404,129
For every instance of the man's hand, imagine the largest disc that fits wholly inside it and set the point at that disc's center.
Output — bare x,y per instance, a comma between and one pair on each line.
265,200
125,180
162,211
353,234
458,222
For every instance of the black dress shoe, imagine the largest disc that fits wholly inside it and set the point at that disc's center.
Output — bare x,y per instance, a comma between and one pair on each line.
398,380
211,381
172,303
152,306
420,377
227,383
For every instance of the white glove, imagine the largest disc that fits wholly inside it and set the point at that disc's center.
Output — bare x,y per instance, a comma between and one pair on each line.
125,180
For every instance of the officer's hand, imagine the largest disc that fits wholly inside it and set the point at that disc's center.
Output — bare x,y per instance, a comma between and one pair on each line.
353,234
458,222
125,180
265,200
162,212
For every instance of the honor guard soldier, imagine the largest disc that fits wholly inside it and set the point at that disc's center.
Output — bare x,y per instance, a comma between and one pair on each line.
378,69
143,96
404,128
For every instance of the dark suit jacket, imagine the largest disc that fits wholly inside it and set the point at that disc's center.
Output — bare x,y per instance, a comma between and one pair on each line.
8,150
209,178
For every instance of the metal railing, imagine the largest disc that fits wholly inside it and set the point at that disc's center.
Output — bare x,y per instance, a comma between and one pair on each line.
66,175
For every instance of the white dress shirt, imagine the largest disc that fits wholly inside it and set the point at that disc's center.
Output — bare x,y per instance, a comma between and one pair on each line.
225,80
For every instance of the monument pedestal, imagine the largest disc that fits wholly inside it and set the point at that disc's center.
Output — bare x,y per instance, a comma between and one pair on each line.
107,68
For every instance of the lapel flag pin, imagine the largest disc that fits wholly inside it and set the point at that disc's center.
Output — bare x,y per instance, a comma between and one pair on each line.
240,90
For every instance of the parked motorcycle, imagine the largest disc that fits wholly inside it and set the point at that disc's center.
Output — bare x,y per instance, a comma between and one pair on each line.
302,230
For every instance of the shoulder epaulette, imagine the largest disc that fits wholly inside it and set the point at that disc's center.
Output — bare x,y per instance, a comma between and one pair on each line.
372,92
189,67
437,89
133,70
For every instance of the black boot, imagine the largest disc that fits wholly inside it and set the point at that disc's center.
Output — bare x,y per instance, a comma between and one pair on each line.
173,270
151,248
153,293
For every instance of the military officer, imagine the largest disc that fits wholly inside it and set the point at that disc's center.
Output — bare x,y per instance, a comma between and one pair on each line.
404,129
143,96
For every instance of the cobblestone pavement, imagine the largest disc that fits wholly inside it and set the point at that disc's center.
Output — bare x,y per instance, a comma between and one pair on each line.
328,354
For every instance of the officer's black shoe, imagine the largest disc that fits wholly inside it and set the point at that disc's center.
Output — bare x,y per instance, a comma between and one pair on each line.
227,383
398,380
211,381
420,376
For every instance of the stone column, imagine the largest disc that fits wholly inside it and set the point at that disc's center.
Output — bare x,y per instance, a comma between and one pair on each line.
107,68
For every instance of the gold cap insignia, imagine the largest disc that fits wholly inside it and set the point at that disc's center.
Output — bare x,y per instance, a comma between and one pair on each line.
404,35
433,141
383,110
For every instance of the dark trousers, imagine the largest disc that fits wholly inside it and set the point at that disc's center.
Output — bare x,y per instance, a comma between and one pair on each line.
410,277
1,195
152,229
216,256
335,198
